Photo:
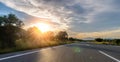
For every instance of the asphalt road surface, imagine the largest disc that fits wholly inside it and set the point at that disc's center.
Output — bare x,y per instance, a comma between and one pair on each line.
77,52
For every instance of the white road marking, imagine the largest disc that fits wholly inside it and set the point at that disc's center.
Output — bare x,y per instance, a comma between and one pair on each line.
27,53
109,56
9,57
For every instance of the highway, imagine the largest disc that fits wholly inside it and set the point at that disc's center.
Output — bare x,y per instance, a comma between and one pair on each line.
76,52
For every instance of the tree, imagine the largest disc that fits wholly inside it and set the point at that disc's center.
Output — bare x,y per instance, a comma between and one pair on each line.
10,28
71,39
62,36
99,39
74,39
1,20
34,33
117,41
49,35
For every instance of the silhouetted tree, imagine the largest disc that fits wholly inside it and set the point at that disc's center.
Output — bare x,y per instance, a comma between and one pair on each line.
99,39
34,33
117,41
10,27
74,39
62,36
71,39
49,35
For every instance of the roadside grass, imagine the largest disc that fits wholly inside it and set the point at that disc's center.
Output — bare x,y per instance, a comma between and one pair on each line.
106,43
2,51
22,45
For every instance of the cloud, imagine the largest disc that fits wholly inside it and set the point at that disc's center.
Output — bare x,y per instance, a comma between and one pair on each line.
102,15
103,34
59,11
78,16
28,19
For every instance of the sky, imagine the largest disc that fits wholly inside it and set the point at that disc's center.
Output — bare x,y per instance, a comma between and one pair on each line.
85,19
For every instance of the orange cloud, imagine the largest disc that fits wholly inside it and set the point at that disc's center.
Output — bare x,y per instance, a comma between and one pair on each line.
103,34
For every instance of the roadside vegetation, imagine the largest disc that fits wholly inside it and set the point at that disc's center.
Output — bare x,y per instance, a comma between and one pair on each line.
107,41
14,38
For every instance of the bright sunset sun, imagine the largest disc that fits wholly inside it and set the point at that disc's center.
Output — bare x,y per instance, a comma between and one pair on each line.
43,27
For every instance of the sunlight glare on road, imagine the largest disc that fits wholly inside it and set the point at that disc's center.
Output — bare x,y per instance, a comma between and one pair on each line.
47,55
77,49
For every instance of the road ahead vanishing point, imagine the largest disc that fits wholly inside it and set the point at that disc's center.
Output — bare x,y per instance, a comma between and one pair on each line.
77,52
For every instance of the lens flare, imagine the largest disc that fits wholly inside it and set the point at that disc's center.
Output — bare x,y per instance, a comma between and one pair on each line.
43,27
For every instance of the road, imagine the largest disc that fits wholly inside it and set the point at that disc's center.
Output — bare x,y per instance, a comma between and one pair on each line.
77,52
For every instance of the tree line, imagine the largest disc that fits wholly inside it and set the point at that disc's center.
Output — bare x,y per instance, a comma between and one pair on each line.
12,34
110,41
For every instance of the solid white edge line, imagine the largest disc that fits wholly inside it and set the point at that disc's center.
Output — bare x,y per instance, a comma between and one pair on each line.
18,55
22,54
109,56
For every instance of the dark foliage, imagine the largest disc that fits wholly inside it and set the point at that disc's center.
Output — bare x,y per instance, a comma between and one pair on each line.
99,39
117,41
62,36
9,30
74,39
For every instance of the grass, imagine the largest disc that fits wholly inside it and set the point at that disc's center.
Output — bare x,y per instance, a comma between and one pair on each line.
2,51
107,43
21,45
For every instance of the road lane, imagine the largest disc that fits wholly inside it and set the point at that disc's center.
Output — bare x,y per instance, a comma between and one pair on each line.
109,49
77,52
109,56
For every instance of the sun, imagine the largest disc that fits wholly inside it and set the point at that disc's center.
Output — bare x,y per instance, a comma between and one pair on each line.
43,27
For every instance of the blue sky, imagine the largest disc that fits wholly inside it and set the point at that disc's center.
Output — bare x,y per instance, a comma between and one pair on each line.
81,18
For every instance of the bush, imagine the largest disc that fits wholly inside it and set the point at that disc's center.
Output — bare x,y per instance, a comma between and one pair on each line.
99,39
117,41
